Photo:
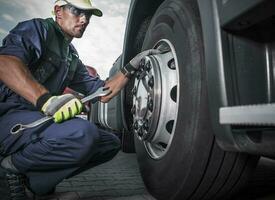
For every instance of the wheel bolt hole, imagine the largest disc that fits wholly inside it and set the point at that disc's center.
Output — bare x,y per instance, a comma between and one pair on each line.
163,145
169,126
171,64
173,94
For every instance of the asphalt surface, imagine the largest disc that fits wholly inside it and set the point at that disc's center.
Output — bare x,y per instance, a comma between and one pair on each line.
119,179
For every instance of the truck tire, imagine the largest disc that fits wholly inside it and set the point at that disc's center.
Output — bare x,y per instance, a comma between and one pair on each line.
192,166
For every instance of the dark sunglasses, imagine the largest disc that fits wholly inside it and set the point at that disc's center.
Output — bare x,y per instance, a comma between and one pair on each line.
78,12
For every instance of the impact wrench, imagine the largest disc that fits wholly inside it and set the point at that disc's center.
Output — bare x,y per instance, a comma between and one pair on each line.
17,128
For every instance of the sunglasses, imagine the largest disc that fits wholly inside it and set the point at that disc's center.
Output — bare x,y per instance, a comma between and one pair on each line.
78,12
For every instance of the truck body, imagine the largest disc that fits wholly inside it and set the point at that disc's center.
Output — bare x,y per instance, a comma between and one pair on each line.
199,114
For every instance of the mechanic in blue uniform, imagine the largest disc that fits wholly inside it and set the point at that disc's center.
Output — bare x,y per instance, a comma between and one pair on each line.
37,61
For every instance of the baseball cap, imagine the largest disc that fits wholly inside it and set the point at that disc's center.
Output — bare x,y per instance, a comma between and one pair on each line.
81,4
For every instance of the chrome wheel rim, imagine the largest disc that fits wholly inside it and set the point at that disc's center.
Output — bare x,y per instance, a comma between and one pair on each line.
155,100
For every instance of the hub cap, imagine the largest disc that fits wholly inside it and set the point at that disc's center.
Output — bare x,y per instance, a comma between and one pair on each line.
155,100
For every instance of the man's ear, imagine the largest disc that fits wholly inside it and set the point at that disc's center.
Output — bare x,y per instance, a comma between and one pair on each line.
57,11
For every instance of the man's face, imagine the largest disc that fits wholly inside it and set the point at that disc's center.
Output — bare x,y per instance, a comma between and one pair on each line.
72,21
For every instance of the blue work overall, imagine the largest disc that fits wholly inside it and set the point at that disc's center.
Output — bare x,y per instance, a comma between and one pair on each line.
50,152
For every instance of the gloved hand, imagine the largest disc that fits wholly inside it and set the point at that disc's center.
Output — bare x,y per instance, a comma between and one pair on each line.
61,107
129,69
136,60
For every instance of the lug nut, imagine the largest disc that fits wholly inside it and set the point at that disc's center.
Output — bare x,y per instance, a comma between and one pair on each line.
142,63
133,110
146,125
135,125
148,66
151,82
142,74
150,105
140,133
137,75
134,91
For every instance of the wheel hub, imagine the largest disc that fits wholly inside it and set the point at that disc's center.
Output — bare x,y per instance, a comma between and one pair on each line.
146,101
155,100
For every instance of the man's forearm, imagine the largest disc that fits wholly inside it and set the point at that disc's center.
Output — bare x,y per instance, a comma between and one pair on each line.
115,84
15,74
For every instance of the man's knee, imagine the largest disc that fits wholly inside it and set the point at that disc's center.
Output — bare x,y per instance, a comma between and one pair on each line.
113,145
81,129
116,143
88,140
80,139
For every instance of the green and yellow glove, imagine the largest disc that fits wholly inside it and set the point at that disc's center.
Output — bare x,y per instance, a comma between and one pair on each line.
61,107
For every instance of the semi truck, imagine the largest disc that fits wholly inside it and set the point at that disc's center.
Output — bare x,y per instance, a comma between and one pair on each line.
200,114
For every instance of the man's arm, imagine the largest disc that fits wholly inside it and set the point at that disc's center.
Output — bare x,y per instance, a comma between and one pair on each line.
15,74
115,84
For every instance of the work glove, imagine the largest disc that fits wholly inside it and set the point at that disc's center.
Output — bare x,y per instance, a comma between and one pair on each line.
61,107
130,69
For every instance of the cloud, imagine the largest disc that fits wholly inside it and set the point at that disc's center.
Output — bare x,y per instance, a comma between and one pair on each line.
3,31
102,42
113,8
8,17
34,8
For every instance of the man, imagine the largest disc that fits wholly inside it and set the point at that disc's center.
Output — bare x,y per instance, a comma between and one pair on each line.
37,61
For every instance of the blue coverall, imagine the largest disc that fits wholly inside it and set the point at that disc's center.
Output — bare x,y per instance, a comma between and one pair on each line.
51,152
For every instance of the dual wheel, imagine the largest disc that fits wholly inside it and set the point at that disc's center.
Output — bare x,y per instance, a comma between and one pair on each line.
177,152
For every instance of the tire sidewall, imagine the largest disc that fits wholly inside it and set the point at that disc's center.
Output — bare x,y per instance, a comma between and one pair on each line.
175,21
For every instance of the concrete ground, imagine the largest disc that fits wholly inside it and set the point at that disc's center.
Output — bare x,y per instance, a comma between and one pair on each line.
119,179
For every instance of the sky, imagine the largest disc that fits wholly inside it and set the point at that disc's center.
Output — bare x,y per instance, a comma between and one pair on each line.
102,41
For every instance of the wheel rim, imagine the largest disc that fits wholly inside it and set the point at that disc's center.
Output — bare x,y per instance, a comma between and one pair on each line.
155,100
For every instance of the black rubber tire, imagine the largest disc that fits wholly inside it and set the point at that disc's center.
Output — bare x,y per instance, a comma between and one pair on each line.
194,167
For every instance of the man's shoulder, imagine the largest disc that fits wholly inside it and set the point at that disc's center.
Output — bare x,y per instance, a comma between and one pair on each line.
41,22
33,23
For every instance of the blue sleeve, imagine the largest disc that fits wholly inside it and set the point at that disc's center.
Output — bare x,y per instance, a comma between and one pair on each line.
26,41
84,83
